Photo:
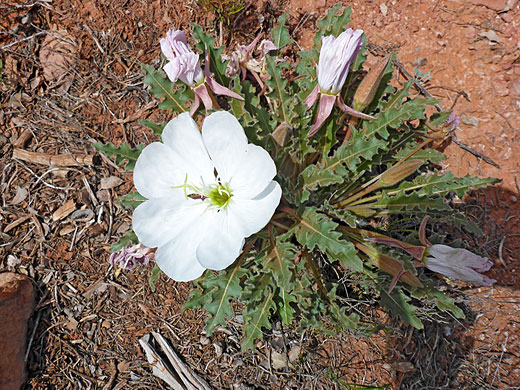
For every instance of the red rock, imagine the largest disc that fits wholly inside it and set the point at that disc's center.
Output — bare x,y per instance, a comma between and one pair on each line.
496,5
16,306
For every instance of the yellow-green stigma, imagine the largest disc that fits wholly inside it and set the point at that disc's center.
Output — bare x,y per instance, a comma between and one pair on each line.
220,195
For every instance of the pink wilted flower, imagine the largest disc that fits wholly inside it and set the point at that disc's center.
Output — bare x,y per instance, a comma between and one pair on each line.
128,258
336,56
453,121
242,60
184,65
456,263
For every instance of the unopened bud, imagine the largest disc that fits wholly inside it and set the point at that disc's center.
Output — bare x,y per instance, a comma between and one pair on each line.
397,173
369,85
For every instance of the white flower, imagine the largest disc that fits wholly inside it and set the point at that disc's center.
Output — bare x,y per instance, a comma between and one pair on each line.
336,55
206,193
458,263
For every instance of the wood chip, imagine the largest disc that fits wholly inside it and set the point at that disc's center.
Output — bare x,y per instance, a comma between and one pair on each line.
14,224
64,210
110,182
58,160
183,377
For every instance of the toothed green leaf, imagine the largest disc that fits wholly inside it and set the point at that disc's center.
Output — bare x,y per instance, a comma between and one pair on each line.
154,276
398,303
216,293
131,200
127,240
174,96
338,167
157,128
334,23
280,34
260,304
216,66
316,230
281,100
122,153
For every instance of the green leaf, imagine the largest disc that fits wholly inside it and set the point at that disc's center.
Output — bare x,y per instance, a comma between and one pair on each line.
398,304
280,263
131,200
154,276
280,99
256,316
280,34
127,240
443,302
218,291
395,116
335,169
122,153
157,128
285,309
439,185
217,67
334,23
431,155
162,88
317,230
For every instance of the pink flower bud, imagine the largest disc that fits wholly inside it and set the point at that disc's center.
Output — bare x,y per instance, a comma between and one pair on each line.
183,62
336,55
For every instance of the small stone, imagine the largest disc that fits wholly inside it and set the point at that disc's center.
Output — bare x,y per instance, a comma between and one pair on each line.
294,353
384,9
470,32
204,340
501,88
490,35
419,62
513,198
495,5
470,120
279,360
514,88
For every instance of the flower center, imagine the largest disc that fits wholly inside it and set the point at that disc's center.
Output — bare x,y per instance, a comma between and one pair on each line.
219,195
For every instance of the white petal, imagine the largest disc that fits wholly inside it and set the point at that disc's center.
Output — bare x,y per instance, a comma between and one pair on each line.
177,258
157,170
157,221
253,214
182,135
253,172
222,242
225,141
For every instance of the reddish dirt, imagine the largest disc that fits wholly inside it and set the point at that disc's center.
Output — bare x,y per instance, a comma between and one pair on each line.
85,334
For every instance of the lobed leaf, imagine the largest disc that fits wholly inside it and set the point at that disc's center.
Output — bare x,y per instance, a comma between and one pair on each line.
316,230
162,88
334,23
281,100
157,128
215,295
280,34
398,303
131,200
127,240
122,153
337,168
